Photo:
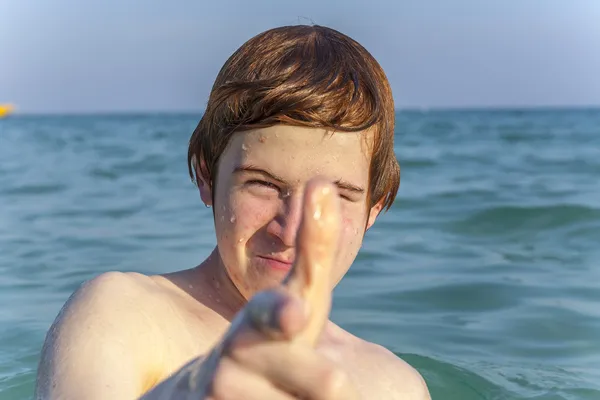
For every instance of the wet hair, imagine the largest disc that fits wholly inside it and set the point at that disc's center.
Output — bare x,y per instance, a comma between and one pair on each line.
309,76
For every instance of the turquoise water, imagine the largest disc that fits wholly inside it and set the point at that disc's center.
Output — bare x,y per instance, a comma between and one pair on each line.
485,275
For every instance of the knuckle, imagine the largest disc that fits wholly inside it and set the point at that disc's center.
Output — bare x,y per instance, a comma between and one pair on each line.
242,345
264,312
237,352
223,379
333,382
241,341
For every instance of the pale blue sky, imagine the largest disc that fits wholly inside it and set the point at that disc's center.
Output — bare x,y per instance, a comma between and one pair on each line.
134,55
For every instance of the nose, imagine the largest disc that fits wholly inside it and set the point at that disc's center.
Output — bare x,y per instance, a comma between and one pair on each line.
285,224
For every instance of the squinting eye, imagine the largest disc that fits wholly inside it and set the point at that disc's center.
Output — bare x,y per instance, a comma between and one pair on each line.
343,196
262,183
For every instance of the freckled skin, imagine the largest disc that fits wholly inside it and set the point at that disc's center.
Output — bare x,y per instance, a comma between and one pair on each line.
264,221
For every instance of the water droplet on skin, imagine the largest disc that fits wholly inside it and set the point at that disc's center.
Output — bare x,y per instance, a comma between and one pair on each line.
222,218
190,286
218,300
317,214
241,240
217,284
244,147
287,193
232,219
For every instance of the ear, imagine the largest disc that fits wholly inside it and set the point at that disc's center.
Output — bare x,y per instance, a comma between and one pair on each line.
374,213
203,181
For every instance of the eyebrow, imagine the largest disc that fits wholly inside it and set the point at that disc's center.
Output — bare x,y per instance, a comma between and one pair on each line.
251,168
341,184
348,186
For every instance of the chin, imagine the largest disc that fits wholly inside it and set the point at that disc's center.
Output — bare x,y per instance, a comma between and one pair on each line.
256,279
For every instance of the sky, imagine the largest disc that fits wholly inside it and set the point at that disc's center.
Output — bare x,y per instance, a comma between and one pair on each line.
70,56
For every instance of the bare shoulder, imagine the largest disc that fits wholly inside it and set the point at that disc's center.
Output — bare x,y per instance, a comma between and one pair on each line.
108,301
396,379
378,372
93,341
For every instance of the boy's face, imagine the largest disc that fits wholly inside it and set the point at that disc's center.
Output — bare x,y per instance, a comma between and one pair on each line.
258,200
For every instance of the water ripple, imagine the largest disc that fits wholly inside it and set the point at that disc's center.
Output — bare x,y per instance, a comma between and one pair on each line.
483,275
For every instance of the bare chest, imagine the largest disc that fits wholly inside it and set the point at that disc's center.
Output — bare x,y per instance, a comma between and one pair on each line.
189,331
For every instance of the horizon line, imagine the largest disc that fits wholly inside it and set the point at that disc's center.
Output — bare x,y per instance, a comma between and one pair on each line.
419,109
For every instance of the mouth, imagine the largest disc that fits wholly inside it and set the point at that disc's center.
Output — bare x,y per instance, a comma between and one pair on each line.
275,263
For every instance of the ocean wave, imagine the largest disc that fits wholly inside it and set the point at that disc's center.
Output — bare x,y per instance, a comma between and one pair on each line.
520,220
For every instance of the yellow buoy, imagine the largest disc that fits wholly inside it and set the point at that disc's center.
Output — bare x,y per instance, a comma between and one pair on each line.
6,109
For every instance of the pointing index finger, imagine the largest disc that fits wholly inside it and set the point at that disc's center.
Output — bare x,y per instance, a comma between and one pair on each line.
316,247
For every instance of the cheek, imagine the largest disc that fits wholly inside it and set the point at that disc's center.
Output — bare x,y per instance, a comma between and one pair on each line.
353,219
247,214
350,243
352,229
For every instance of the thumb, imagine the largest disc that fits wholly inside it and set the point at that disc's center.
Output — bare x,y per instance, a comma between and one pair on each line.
316,245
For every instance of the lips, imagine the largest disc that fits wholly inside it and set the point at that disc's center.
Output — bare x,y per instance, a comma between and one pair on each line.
276,263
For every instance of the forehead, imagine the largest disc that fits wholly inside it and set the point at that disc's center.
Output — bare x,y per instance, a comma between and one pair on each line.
299,153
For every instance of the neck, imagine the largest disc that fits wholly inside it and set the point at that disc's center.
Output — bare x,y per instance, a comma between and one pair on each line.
230,301
213,271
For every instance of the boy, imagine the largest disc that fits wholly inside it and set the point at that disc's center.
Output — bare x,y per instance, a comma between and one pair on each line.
295,155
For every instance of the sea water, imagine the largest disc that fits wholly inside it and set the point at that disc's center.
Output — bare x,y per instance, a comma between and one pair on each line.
484,275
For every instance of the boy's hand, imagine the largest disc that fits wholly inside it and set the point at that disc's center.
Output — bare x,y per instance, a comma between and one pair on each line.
268,352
